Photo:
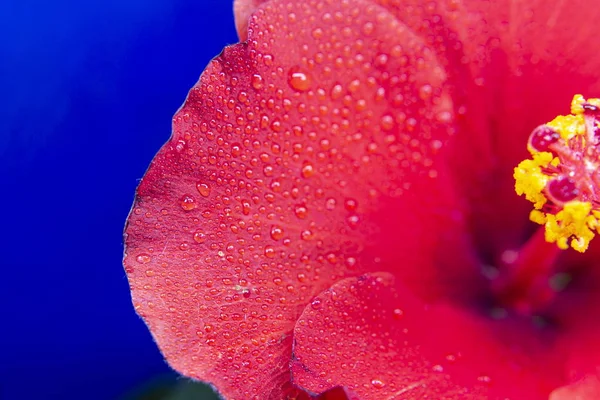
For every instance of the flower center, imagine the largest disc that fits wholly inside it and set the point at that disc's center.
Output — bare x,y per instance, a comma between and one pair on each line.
562,180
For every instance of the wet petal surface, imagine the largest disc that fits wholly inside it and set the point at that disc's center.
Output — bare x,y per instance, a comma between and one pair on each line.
285,173
374,337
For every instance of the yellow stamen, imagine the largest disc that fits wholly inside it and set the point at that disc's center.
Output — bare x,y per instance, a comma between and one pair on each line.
531,181
576,221
568,126
561,180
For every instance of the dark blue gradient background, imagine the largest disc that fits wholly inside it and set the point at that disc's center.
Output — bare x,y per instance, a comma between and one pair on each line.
87,92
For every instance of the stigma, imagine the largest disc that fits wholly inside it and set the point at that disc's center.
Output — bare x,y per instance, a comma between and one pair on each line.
562,177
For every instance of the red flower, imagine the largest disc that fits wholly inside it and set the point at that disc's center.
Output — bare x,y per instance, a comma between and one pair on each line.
336,206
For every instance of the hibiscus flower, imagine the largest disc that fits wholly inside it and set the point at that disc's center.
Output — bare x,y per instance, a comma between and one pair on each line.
336,206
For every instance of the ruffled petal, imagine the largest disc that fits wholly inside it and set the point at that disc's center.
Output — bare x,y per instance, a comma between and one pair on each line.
300,158
370,335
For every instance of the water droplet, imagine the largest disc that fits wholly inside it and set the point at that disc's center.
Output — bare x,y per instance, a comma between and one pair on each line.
438,368
398,313
316,304
270,252
353,220
381,60
307,235
330,203
299,80
350,262
276,232
257,81
143,258
308,171
149,273
246,207
300,211
203,189
199,237
377,383
368,28
337,91
387,122
425,92
188,203
350,204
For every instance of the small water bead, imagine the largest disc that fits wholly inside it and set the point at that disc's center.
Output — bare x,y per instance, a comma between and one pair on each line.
270,252
377,383
387,122
143,258
276,232
308,171
299,80
307,235
188,203
300,211
398,313
316,304
336,92
203,189
425,92
368,28
200,237
350,204
257,81
330,203
437,368
236,149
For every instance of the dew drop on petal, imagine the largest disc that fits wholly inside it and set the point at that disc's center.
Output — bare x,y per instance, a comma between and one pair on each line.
336,92
307,235
300,211
377,383
276,232
199,237
188,203
387,122
299,80
270,252
330,203
257,81
316,304
203,189
308,171
425,92
143,258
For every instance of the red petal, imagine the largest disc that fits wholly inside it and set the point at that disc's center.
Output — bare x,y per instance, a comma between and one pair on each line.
513,65
373,337
242,10
587,388
283,175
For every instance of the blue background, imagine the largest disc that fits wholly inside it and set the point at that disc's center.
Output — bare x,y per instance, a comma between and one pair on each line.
87,92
